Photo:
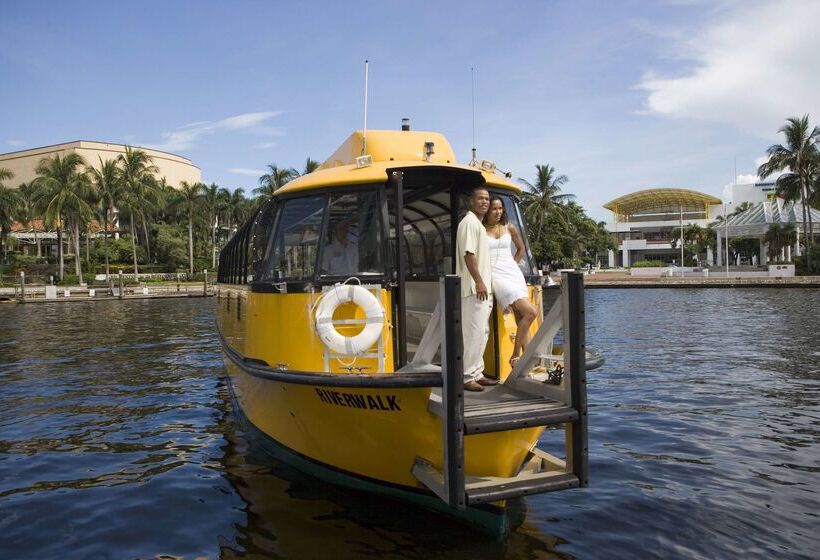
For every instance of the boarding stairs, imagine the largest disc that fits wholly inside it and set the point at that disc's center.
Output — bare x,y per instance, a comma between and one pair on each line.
524,400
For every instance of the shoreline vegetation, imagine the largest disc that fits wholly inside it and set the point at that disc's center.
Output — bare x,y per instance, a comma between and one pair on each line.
118,215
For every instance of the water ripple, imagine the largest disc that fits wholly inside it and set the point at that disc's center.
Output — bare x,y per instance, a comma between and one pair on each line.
117,441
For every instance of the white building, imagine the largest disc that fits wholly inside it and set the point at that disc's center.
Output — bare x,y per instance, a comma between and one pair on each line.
643,222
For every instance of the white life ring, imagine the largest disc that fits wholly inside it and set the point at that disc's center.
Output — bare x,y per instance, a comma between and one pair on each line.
374,319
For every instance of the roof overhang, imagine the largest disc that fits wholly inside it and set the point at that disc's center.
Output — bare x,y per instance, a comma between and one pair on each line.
640,201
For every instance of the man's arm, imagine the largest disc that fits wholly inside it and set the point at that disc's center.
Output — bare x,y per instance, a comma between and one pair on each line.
472,266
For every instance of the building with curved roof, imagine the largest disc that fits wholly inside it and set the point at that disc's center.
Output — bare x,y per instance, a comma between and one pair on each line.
172,167
643,222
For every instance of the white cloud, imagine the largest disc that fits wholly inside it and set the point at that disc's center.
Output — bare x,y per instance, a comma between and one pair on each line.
246,171
15,142
754,66
187,136
264,145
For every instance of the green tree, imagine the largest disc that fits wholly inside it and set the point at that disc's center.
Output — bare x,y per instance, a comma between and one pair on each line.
108,184
9,202
236,209
29,209
695,240
170,247
214,199
139,193
741,208
311,165
64,189
543,198
800,157
274,180
779,236
189,198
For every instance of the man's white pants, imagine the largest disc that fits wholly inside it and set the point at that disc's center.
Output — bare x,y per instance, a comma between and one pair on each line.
475,329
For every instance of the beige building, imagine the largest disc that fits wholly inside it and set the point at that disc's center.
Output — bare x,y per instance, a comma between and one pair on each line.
23,163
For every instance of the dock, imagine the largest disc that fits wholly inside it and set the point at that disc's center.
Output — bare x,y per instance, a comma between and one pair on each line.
613,280
75,294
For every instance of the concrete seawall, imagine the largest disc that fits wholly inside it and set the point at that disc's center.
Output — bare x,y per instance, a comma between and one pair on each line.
625,281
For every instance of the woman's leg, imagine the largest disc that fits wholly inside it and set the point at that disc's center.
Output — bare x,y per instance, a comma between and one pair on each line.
524,316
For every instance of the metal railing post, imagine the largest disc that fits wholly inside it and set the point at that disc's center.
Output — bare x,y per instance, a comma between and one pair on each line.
572,302
119,274
22,287
205,284
452,347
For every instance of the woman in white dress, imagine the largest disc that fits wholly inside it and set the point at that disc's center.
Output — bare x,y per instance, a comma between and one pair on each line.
508,283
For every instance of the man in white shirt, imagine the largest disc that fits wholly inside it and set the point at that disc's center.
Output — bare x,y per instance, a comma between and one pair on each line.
341,255
473,265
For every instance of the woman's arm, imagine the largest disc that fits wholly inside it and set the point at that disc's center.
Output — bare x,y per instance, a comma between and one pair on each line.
520,250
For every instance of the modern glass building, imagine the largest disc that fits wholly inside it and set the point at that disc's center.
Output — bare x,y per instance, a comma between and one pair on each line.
643,222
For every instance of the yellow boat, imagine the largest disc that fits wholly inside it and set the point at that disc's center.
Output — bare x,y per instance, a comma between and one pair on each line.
343,346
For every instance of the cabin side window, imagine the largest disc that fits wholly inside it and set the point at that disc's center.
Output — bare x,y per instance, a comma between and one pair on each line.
514,216
293,249
426,234
352,243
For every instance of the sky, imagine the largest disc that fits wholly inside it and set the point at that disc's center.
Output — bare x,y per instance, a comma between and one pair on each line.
619,96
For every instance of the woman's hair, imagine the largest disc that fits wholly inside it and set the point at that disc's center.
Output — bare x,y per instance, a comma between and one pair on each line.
503,220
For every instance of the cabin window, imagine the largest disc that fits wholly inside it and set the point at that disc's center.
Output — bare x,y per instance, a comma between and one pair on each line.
515,218
426,233
292,254
263,227
353,240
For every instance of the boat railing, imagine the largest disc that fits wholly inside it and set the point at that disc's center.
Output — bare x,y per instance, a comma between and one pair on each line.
535,402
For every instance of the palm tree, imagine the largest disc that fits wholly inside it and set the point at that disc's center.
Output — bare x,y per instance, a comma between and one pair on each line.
778,237
9,203
741,208
235,207
107,182
214,199
274,180
543,195
311,165
799,156
189,198
140,188
29,208
63,186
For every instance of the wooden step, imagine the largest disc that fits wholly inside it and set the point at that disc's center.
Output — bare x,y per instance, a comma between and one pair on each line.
543,473
499,408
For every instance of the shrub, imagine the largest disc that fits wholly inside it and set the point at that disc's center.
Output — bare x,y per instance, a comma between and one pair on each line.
171,248
647,264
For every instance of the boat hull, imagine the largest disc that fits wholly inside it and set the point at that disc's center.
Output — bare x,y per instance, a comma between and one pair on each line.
493,519
376,433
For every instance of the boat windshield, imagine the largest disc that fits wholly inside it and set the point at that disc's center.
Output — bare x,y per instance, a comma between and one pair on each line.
293,248
337,234
352,242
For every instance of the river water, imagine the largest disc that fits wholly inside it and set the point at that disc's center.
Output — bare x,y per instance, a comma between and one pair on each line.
117,441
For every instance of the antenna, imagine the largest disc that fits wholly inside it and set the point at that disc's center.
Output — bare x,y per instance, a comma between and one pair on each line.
472,79
364,130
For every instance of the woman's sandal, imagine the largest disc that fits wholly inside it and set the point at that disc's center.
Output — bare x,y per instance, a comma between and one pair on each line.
514,360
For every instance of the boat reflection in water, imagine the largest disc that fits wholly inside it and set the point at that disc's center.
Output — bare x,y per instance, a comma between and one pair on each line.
293,515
